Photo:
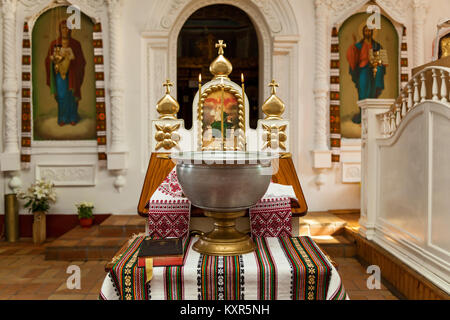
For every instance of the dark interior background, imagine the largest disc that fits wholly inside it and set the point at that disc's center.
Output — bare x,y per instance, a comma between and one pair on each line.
196,51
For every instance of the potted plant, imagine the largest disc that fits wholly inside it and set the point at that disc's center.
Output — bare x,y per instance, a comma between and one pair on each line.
85,213
39,196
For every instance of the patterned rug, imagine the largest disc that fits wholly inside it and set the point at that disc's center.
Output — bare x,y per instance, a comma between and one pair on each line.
281,268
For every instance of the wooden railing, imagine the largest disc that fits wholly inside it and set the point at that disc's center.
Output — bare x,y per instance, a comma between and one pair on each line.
429,84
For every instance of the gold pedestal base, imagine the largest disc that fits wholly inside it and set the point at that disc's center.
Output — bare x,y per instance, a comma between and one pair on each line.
224,239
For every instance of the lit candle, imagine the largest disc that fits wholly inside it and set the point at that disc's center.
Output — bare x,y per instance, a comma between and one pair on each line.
221,113
243,105
199,111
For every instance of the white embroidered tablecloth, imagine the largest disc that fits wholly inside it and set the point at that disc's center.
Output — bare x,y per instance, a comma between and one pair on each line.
280,269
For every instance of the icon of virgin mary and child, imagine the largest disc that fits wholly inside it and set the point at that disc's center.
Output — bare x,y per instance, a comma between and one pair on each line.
65,66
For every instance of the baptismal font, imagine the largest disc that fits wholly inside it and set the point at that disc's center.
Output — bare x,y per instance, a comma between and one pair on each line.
231,165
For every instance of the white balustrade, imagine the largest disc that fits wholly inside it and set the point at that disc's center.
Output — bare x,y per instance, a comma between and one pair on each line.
397,115
392,118
385,125
410,98
403,105
423,87
434,89
409,221
415,92
443,87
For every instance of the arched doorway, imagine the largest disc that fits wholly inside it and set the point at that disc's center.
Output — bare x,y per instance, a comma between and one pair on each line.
196,50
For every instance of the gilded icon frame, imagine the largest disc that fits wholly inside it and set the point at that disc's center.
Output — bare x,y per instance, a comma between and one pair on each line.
239,143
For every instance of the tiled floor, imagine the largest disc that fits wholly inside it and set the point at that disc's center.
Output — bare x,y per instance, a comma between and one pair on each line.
100,242
25,274
354,276
81,244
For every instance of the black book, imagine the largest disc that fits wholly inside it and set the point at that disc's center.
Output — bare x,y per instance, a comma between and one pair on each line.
163,251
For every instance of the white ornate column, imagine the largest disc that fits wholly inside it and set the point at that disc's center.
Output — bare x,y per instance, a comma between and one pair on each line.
155,57
370,131
116,76
118,151
10,160
285,72
420,10
321,152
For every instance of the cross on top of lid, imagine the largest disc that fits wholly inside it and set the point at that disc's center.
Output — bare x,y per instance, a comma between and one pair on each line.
221,45
167,84
273,84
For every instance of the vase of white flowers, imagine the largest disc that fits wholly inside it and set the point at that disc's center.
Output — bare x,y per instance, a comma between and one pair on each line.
85,213
38,198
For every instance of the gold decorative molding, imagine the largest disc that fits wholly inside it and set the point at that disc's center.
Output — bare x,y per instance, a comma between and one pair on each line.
167,135
274,136
285,155
241,141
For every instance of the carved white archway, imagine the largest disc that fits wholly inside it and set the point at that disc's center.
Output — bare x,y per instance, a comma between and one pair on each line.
262,30
34,8
277,32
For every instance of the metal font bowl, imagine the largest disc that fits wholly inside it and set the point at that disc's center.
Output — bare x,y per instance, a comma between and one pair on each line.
224,181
